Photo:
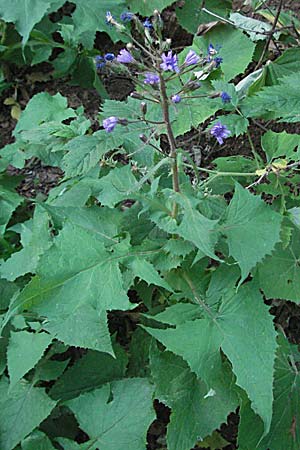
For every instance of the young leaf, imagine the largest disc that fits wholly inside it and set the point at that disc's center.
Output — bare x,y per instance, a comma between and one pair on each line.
25,406
76,282
119,423
24,351
282,144
252,229
189,399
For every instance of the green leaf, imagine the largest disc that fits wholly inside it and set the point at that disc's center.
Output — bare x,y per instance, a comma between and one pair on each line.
35,239
24,405
144,8
256,29
283,283
90,372
244,330
89,17
26,14
282,145
178,313
189,399
235,123
42,108
85,152
118,423
118,185
190,15
229,38
285,427
24,351
37,440
252,229
145,271
77,282
279,101
9,201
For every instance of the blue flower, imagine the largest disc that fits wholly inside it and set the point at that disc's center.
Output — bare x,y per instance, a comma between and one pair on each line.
110,123
148,24
100,62
109,57
218,60
220,132
170,62
191,58
126,16
176,98
125,57
151,78
226,98
211,50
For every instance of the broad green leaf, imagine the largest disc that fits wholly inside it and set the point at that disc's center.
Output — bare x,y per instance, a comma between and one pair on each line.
252,229
285,426
89,17
235,123
118,185
144,8
145,271
85,152
7,290
228,39
42,108
279,274
90,372
178,313
26,14
22,409
24,351
282,145
76,282
256,29
49,369
279,101
191,112
197,228
294,215
120,422
35,239
138,364
244,330
190,15
37,440
9,201
195,411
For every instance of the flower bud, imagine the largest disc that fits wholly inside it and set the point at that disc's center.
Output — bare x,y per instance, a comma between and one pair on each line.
136,95
143,106
123,122
129,46
143,138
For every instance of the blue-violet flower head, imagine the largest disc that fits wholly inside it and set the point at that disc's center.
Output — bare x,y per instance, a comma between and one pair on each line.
147,24
110,123
125,57
191,58
211,50
176,98
170,62
218,60
109,56
100,62
220,132
126,16
151,78
226,98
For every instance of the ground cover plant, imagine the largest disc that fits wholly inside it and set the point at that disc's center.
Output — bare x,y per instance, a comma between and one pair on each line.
140,297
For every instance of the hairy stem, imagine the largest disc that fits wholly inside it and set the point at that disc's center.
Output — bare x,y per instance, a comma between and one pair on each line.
171,138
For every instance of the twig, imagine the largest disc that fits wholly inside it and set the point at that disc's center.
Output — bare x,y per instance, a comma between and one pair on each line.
270,36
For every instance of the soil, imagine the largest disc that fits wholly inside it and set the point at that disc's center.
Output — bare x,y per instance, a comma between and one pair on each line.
39,179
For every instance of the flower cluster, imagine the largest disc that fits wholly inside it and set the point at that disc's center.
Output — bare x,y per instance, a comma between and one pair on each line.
151,78
102,60
125,57
226,98
170,62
